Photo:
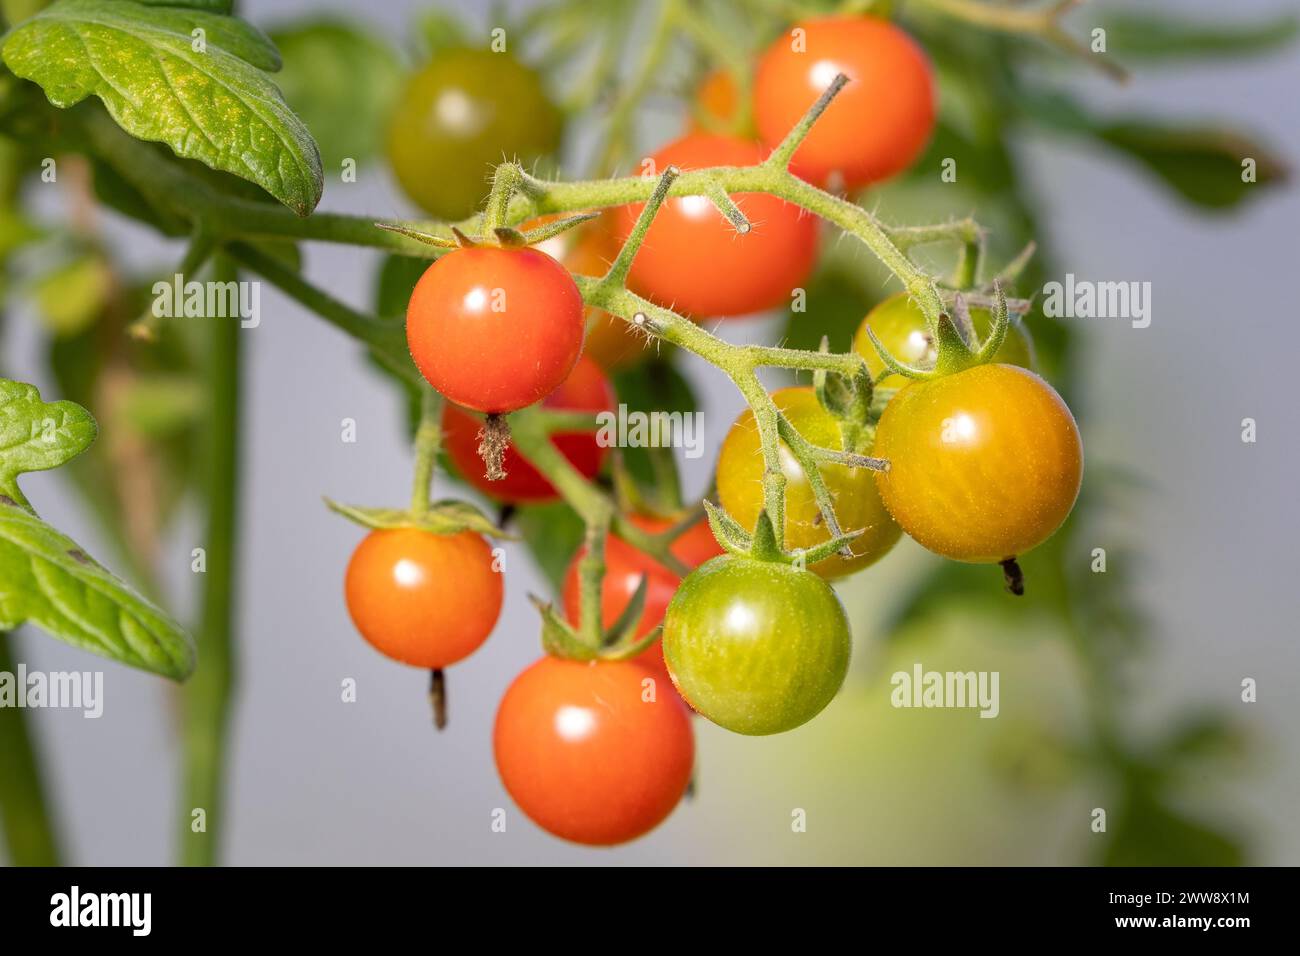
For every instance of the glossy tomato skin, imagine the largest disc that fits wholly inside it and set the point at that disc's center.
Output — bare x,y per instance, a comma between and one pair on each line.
586,756
624,568
495,329
719,105
756,647
459,116
695,262
585,390
857,501
900,326
876,126
428,600
985,464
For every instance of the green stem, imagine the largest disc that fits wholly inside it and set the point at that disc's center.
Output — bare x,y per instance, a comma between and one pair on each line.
30,838
207,696
428,439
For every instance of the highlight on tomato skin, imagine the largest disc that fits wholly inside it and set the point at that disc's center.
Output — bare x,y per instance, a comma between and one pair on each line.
695,262
495,329
985,464
585,390
424,599
625,566
878,124
594,752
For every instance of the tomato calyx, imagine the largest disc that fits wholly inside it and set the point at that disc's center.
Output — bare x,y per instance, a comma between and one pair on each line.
441,517
957,346
505,237
762,546
618,642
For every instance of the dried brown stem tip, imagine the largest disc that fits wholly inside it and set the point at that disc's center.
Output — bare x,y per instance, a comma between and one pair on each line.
493,438
438,697
1014,577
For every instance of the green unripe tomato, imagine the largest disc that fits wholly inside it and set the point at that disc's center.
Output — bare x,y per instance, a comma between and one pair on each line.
755,646
458,117
900,325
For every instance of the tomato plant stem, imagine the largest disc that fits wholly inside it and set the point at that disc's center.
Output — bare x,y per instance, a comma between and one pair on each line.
206,698
428,439
30,838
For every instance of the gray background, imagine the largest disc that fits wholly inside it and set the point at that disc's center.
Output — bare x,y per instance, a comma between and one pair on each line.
317,781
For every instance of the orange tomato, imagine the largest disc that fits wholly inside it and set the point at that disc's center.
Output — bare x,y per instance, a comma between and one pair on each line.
428,600
586,756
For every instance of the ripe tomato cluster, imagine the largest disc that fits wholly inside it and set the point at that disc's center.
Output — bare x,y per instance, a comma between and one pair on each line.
984,461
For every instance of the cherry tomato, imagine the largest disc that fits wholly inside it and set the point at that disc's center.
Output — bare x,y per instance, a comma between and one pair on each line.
718,102
495,329
984,464
756,647
458,117
585,390
853,490
424,599
877,125
624,568
900,325
586,755
694,261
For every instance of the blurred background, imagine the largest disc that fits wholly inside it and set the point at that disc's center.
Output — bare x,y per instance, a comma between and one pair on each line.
1129,699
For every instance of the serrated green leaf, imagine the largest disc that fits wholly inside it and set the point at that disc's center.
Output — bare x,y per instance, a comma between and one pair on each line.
342,80
215,105
37,435
1133,35
47,580
443,517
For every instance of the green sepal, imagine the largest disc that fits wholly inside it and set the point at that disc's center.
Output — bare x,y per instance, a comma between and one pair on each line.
998,328
558,638
728,532
633,647
514,237
763,547
419,235
827,548
954,353
442,517
624,628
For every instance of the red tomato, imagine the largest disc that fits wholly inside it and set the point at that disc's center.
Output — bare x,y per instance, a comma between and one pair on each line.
586,756
585,390
694,261
424,599
877,125
624,567
495,329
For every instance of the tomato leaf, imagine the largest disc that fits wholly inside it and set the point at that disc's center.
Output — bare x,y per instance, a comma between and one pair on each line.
1203,164
1134,34
342,80
188,78
36,435
45,577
